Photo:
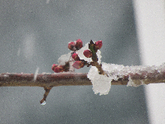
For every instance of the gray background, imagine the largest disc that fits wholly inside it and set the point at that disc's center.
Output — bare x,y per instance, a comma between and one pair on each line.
34,34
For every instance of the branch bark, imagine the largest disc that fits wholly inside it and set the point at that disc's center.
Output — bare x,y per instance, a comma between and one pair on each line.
70,79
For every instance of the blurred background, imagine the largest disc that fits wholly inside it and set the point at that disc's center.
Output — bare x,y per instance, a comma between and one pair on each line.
34,34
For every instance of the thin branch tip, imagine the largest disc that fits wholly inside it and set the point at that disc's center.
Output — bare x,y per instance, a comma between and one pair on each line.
47,90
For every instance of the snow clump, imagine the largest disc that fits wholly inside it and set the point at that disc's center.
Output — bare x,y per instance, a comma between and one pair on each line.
101,83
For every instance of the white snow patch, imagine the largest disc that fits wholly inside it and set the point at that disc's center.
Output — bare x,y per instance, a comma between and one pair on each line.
101,83
36,73
119,71
46,73
114,71
131,83
6,75
64,58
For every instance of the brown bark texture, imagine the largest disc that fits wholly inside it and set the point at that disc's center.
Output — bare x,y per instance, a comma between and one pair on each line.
70,79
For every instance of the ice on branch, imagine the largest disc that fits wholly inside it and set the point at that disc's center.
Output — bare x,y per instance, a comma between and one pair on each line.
43,103
81,55
101,83
133,84
145,72
137,75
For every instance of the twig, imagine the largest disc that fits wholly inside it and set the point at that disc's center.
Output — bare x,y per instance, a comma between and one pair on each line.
47,90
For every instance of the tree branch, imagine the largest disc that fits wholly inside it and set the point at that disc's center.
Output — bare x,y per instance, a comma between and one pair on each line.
71,79
48,80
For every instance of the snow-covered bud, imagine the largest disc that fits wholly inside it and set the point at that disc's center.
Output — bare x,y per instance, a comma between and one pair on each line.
53,66
98,44
79,44
59,68
71,46
87,53
75,57
78,64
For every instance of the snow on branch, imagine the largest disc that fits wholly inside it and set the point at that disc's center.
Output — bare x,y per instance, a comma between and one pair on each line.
117,75
127,75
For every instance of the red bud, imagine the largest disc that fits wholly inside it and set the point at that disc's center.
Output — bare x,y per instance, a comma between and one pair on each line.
78,64
75,57
79,44
59,69
87,53
71,46
53,66
98,44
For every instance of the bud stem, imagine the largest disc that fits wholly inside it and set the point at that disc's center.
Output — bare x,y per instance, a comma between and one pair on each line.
99,67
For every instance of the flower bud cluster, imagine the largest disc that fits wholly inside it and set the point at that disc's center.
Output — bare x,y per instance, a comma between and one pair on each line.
78,44
79,63
60,68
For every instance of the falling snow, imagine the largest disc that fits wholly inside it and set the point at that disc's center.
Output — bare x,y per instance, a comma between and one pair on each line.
36,73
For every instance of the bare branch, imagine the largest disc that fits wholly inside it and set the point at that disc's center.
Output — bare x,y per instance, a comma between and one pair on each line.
43,80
